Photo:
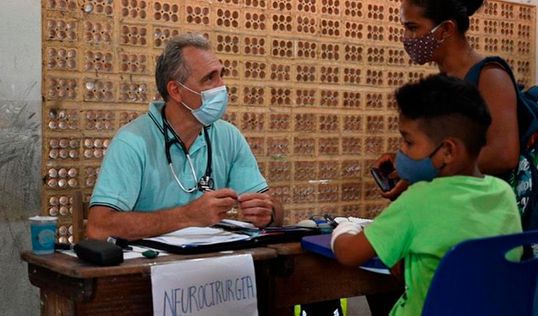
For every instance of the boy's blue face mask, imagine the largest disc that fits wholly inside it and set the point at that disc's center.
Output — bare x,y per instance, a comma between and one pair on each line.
413,170
214,103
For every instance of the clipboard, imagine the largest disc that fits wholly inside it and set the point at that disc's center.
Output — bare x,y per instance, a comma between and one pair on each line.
195,249
257,238
321,245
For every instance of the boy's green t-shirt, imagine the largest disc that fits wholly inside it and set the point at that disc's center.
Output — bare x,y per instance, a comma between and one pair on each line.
430,218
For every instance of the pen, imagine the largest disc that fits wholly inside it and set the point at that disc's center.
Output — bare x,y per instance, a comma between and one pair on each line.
205,188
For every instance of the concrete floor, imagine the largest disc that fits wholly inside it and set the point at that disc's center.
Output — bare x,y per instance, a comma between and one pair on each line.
357,306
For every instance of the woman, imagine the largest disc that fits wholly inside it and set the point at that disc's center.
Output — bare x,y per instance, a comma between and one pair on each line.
435,32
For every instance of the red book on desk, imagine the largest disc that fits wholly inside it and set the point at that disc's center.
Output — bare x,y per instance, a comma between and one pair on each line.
321,244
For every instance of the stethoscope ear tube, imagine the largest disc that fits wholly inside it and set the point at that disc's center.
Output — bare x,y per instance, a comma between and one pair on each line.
167,144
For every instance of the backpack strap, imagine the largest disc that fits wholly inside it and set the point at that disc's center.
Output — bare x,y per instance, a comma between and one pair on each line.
532,93
527,108
473,75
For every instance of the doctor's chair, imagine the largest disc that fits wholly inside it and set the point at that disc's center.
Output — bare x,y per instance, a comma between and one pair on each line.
79,216
475,278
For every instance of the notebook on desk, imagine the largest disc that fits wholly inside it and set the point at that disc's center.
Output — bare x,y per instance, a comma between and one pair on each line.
321,244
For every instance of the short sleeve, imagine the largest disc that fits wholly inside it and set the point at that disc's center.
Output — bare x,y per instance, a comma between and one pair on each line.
120,176
391,233
245,176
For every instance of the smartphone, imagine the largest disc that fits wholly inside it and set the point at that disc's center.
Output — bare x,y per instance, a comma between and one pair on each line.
383,181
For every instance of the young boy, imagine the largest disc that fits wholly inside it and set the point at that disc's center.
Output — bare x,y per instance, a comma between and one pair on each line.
443,123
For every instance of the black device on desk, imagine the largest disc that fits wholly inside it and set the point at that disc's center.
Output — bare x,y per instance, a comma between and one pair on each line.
99,252
381,176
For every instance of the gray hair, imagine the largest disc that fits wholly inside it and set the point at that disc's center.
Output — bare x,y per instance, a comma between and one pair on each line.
171,64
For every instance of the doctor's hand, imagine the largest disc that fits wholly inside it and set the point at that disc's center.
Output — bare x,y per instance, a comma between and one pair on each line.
256,208
211,207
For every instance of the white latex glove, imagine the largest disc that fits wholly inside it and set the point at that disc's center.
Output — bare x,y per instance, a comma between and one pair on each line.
344,228
360,221
340,219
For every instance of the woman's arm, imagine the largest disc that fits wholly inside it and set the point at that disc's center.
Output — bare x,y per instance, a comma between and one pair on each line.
501,152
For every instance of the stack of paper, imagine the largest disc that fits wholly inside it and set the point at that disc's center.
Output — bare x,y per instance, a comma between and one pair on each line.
198,236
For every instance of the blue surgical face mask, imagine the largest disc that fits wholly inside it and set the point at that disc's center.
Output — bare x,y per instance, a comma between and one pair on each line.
214,103
415,170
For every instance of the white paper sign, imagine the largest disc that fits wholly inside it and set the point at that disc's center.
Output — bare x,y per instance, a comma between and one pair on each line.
205,287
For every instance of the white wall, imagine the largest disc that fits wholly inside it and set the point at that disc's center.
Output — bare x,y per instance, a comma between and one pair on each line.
20,148
20,49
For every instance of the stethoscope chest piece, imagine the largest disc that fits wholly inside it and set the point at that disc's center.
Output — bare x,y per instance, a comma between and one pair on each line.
206,183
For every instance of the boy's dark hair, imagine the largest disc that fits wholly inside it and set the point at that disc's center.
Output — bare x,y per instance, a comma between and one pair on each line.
456,10
446,107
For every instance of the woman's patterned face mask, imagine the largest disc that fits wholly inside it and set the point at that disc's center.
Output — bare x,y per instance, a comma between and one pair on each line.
420,49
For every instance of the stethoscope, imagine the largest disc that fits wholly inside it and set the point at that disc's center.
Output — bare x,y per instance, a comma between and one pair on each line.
205,183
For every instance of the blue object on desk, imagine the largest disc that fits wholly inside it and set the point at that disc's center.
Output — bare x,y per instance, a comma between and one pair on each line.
321,244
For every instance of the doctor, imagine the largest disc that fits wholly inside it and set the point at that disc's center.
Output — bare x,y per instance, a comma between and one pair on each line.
179,165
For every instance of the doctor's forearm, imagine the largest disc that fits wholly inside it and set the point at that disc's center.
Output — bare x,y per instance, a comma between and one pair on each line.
104,222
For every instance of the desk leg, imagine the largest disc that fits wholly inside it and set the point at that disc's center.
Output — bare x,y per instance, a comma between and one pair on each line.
266,272
58,293
53,304
264,288
284,311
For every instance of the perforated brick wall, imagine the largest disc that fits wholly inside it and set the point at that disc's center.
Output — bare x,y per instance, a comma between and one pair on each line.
311,85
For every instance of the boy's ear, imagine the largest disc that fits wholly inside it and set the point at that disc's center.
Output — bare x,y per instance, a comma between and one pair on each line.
451,148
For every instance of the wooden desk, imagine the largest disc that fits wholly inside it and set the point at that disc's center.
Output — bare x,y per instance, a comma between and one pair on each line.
285,275
299,277
70,287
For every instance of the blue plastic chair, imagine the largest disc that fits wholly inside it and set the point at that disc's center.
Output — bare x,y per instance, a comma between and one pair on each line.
474,278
